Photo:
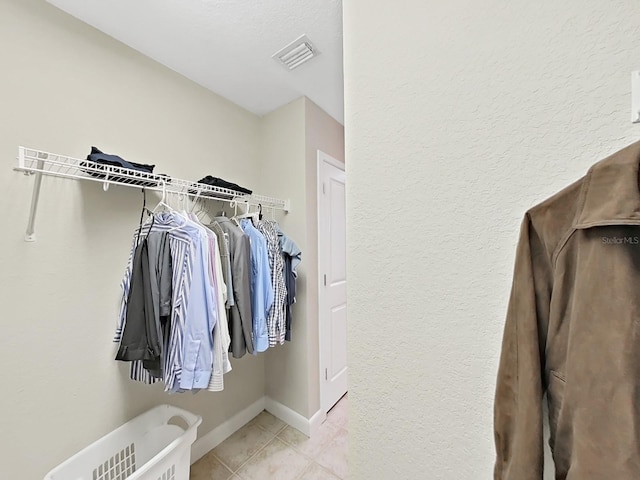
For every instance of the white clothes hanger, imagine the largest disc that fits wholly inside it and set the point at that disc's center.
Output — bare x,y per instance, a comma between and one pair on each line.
252,215
163,200
195,201
234,219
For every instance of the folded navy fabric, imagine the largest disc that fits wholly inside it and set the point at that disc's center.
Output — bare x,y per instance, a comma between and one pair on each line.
219,182
114,160
97,164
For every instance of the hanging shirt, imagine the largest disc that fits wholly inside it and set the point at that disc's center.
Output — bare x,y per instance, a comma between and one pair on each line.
289,247
192,308
292,257
221,338
276,320
182,252
223,245
261,289
290,280
201,318
240,314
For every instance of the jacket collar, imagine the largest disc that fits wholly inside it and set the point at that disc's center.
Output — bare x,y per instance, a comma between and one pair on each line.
610,193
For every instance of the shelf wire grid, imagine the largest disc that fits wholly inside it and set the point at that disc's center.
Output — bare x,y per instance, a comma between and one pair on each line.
32,161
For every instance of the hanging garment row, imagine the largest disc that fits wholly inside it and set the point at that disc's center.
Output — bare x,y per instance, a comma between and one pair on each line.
195,290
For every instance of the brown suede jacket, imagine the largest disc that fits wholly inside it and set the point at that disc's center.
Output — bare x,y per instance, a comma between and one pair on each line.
573,330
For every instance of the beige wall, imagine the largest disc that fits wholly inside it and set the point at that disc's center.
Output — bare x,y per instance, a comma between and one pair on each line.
64,87
283,147
292,136
322,133
460,115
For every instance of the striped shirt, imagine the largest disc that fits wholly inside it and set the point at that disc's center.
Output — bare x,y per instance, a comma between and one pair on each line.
182,256
276,321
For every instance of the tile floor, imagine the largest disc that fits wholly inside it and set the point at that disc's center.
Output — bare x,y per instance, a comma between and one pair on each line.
266,448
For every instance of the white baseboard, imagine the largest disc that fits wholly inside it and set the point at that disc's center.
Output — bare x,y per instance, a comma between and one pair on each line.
215,437
315,421
288,416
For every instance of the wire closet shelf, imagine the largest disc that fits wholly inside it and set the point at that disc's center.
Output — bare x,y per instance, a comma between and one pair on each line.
41,163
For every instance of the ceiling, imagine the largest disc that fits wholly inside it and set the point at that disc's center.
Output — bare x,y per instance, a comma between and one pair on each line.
226,45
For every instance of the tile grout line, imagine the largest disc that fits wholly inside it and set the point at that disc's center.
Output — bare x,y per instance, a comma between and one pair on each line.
322,445
254,455
222,463
276,437
312,460
306,469
235,472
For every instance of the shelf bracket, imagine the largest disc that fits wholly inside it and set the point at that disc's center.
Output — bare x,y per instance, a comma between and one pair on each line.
37,184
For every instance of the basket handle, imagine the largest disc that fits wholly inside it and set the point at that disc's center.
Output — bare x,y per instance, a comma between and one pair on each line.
191,420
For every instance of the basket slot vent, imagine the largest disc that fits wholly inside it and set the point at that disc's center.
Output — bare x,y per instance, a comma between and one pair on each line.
119,466
170,474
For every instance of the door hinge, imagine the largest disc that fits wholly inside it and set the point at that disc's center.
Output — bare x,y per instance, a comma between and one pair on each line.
326,374
325,279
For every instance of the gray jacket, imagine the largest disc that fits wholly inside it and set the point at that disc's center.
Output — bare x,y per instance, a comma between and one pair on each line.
161,277
241,318
140,339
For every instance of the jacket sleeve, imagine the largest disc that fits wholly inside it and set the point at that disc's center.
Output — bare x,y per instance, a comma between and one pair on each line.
519,390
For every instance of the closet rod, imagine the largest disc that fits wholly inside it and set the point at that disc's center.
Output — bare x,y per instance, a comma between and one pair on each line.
39,163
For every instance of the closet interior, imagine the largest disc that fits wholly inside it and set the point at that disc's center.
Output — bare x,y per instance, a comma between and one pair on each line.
199,286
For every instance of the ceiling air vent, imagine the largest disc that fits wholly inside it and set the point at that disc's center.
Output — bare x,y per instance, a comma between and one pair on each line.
296,53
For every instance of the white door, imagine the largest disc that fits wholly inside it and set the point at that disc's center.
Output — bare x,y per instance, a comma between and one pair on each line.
332,269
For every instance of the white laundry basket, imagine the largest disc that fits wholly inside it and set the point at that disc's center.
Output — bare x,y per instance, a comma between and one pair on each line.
150,447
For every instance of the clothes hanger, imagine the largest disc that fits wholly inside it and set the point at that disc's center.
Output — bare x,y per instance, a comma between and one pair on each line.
142,212
202,211
236,218
195,216
185,201
163,200
177,215
248,214
181,200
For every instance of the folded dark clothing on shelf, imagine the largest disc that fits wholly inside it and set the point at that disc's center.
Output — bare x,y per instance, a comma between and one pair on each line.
219,182
114,160
97,165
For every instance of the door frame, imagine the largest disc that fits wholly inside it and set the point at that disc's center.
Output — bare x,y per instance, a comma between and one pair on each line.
322,158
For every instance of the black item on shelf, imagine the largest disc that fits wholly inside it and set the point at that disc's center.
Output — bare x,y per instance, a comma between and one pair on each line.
219,182
97,164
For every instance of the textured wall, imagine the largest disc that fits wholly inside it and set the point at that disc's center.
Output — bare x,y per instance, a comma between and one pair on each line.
459,116
64,87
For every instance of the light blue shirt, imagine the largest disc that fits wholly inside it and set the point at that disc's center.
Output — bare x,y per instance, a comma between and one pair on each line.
289,247
201,315
261,289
